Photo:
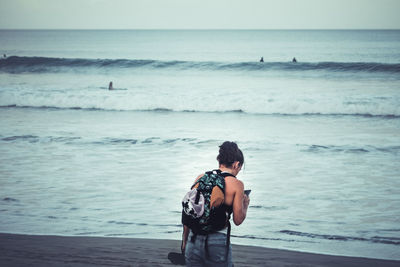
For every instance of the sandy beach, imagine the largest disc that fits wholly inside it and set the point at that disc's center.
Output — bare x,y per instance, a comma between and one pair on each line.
35,250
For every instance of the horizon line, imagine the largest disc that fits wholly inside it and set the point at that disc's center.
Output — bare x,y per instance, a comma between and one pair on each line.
201,29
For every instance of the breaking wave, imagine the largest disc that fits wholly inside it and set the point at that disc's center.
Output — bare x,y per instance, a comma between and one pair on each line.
16,64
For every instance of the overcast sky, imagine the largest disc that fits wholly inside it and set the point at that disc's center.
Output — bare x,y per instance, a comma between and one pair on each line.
199,14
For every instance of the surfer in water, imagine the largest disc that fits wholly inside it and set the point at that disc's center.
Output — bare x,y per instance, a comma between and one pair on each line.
110,86
294,60
262,59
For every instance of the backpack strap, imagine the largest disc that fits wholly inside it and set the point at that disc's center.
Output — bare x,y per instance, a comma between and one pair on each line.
221,173
216,171
229,209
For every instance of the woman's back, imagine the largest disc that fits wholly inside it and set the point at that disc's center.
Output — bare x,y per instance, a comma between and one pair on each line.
212,248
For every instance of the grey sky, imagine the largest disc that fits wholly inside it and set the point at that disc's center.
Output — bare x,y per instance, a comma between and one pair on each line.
199,14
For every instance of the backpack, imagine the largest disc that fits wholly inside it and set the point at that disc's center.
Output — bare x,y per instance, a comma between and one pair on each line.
203,208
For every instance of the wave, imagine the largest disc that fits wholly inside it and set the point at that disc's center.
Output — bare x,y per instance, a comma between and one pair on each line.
10,199
16,64
374,239
351,149
227,111
151,141
269,238
269,208
103,141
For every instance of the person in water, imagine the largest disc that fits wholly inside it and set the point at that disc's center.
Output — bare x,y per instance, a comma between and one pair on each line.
294,60
262,59
110,86
230,159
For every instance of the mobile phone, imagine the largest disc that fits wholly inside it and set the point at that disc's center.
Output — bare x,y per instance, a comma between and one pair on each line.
247,192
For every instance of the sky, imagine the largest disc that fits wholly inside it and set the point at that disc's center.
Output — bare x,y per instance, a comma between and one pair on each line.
199,14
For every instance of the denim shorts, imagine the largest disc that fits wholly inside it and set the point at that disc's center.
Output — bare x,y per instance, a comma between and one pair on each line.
195,253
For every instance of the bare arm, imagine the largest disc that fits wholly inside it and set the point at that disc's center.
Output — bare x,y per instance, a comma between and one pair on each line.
240,203
185,235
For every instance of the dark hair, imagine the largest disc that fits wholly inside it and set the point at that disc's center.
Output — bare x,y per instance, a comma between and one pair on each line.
229,152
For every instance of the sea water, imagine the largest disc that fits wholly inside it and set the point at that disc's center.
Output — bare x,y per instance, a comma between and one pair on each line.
321,137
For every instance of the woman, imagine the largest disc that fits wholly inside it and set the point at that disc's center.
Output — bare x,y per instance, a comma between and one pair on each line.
214,249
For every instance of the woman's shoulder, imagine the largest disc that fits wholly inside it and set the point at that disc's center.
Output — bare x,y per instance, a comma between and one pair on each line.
234,182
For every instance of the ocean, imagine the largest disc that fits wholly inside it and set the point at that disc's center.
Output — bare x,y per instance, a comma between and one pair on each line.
321,137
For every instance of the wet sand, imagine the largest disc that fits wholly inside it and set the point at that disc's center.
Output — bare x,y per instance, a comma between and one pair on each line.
35,250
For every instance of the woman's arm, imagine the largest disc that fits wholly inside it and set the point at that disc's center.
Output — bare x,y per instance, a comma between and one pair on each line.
240,203
185,235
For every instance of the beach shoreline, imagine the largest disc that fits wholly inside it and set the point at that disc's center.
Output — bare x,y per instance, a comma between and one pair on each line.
41,250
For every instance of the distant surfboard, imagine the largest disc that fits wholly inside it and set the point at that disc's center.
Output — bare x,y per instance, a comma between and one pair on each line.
114,89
